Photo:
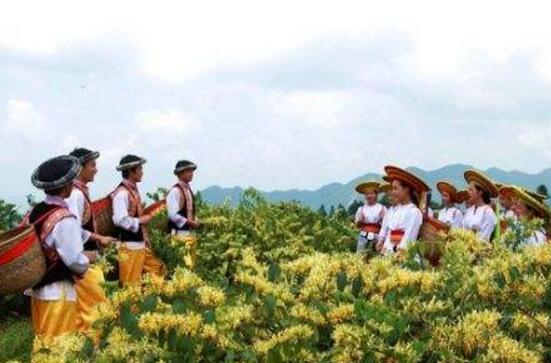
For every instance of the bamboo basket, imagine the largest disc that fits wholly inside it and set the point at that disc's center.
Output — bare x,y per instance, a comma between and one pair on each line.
433,233
22,261
102,210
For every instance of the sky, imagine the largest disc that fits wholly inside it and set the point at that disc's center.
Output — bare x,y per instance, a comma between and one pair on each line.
276,95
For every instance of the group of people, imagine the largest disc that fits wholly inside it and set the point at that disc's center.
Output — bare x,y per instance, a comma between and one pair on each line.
63,302
487,208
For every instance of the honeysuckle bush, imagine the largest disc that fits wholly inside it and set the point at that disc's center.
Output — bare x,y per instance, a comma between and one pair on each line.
277,283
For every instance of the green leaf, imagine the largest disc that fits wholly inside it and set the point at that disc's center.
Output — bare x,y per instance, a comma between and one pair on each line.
179,306
274,356
357,286
209,316
500,280
149,304
273,272
342,280
514,273
390,297
129,321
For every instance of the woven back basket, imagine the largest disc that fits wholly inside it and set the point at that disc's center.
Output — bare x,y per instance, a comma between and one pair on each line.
22,261
433,233
103,215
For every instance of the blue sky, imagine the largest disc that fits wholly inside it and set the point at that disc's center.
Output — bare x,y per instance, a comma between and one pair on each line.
275,95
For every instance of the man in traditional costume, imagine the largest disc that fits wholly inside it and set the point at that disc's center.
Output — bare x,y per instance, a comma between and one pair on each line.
89,289
480,217
135,255
182,220
405,222
369,217
449,214
54,299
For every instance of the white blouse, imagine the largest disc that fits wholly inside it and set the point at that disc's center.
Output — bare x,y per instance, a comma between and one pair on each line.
481,220
453,217
76,203
370,213
407,218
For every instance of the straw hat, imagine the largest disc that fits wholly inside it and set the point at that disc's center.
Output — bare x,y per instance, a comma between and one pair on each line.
517,193
539,197
476,177
461,196
367,186
395,173
444,186
385,187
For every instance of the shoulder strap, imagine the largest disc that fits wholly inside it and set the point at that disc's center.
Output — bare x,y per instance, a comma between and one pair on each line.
51,219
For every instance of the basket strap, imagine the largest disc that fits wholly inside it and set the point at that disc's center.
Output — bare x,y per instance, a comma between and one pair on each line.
18,250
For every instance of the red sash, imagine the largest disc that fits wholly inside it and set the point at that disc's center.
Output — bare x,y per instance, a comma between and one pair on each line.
396,236
371,227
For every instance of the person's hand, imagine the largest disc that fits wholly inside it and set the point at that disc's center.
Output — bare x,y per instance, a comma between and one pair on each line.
105,241
92,255
145,219
193,223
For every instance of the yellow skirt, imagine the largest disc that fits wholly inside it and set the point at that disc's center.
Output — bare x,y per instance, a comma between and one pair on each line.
90,293
190,242
134,263
53,318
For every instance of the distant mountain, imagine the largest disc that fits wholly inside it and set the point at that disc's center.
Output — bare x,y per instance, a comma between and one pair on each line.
337,193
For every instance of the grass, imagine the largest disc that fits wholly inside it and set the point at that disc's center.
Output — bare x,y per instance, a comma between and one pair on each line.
16,340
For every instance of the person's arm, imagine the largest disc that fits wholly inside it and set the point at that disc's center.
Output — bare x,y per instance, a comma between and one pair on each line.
76,206
121,218
358,217
488,225
411,229
173,207
68,244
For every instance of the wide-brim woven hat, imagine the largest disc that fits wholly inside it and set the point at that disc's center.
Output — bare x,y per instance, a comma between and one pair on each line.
385,187
367,186
476,177
516,193
447,187
461,196
395,173
56,173
538,196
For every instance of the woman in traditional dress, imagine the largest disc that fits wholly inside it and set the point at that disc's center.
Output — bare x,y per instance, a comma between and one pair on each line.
404,223
480,217
449,214
527,208
369,216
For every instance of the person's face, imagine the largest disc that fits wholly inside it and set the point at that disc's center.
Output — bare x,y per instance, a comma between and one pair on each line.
89,171
187,175
446,198
399,192
371,197
137,174
505,201
521,209
475,196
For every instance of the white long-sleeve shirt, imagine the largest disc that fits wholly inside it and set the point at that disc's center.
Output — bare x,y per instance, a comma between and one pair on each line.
370,213
384,224
173,207
123,220
407,218
482,220
76,203
66,238
538,238
452,216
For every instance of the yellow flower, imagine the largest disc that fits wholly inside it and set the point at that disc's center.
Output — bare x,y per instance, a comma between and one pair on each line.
341,314
292,334
504,349
210,296
303,312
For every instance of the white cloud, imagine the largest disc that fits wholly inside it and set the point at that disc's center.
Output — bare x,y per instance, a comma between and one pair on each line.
23,120
168,122
326,109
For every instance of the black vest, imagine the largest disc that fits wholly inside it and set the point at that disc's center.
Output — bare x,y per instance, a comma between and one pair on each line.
183,211
127,236
56,270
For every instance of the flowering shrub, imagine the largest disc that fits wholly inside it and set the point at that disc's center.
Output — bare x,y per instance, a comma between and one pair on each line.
277,283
